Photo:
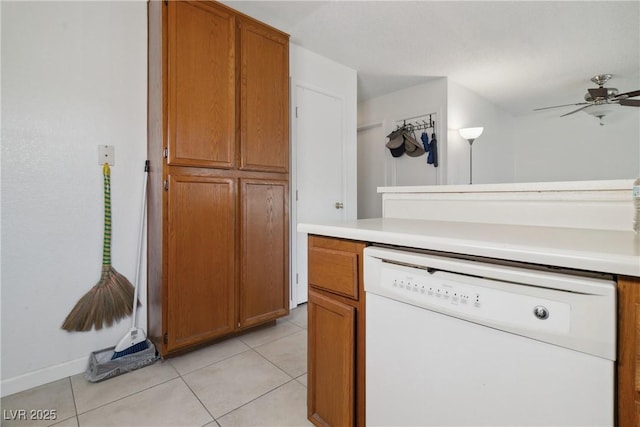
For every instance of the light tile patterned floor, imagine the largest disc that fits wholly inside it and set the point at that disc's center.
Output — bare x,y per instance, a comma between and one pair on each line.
256,379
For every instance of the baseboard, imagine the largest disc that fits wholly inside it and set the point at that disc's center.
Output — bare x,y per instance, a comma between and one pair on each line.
42,376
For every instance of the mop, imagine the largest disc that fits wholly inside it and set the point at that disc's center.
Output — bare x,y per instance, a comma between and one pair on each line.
135,340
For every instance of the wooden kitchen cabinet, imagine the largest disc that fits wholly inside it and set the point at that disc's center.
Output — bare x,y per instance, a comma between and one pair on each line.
218,146
265,254
628,364
264,107
336,332
201,84
200,259
331,374
208,46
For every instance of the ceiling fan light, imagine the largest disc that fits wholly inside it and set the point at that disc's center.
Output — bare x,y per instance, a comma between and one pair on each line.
600,110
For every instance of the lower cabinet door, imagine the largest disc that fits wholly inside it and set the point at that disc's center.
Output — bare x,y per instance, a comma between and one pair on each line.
263,289
331,353
200,265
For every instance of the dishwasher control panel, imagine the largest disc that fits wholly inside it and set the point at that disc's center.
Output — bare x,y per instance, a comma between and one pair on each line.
447,292
476,299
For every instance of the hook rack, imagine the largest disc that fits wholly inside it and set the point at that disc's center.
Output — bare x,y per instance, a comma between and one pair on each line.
425,122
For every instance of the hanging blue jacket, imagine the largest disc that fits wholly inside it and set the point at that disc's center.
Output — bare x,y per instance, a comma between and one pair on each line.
433,151
426,145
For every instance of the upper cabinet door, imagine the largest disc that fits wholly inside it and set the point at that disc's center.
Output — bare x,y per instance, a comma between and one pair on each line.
264,97
201,85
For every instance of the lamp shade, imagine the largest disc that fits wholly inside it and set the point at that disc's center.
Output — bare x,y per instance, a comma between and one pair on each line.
471,133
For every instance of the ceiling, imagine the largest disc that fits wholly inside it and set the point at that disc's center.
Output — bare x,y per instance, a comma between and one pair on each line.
520,55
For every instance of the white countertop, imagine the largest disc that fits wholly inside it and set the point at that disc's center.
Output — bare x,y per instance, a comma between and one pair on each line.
607,251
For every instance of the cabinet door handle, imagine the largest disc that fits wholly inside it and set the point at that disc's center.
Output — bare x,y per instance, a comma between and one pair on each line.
339,205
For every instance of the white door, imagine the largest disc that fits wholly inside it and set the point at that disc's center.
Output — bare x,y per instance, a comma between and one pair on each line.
319,192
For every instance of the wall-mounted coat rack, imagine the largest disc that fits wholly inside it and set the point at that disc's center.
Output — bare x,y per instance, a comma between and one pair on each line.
423,122
404,140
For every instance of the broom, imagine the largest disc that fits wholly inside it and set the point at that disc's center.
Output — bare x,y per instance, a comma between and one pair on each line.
111,298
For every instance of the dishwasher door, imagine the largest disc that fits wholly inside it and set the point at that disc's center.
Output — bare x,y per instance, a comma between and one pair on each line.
460,343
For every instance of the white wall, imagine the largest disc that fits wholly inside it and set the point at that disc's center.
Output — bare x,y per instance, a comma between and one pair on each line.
576,147
493,152
73,77
379,116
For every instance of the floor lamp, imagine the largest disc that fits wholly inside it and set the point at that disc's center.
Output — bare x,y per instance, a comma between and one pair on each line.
471,134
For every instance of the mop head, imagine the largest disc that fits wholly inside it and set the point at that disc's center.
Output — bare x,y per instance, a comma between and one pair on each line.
101,367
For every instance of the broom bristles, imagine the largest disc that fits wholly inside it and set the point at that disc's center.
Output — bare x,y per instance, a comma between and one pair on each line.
109,300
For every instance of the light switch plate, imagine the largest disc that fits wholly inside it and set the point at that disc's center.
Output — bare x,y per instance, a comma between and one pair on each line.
106,154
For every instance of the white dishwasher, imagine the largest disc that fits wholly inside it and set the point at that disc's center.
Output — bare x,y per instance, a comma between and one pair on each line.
466,342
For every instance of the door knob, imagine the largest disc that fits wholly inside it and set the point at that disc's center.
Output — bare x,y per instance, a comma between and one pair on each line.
339,205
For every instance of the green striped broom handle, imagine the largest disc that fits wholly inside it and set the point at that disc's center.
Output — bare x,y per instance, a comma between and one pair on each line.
106,243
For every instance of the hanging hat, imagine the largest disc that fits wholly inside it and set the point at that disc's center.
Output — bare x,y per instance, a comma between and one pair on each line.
398,151
395,139
411,146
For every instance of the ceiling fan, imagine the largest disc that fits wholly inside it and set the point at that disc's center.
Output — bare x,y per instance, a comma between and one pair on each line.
601,97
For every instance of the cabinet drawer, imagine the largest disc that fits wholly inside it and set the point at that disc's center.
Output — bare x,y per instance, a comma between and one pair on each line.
333,268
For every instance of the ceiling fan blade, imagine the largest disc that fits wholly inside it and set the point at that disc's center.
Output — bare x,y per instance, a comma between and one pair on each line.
600,92
625,95
630,102
558,106
575,111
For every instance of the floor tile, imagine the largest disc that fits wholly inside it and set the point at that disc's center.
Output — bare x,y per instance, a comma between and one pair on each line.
168,404
270,333
54,400
298,316
92,395
229,384
206,356
302,379
288,353
284,406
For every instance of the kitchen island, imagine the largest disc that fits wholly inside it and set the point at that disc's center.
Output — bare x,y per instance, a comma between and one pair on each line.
581,226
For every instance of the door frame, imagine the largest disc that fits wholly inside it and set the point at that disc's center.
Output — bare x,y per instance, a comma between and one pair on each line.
295,280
